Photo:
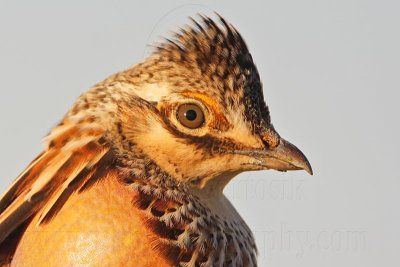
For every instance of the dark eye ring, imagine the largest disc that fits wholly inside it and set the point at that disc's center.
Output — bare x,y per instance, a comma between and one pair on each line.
190,116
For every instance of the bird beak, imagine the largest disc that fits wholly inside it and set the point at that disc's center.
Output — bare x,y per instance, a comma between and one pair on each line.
284,157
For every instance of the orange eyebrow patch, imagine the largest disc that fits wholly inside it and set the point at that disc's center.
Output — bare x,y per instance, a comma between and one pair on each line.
220,122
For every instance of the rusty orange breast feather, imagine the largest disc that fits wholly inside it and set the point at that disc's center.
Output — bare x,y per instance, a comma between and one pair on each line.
98,227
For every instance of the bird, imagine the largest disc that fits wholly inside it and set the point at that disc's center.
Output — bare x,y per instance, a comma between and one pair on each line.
134,173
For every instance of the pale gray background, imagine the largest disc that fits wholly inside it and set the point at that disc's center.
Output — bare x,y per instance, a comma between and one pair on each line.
331,78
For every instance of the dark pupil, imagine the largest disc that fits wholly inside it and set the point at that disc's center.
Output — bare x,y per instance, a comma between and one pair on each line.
191,115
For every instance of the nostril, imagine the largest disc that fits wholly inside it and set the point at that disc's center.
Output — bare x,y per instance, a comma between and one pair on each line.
270,138
265,142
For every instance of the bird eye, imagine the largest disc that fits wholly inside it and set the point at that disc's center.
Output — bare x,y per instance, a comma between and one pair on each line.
190,115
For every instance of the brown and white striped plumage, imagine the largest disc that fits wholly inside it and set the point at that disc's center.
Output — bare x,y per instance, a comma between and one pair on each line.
122,182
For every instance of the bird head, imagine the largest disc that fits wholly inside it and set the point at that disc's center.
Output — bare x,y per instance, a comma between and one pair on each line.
196,108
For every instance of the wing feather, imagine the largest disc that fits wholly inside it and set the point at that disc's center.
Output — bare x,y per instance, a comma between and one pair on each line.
52,177
71,177
13,191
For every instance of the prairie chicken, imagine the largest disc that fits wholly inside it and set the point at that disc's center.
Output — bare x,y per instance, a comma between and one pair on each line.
134,173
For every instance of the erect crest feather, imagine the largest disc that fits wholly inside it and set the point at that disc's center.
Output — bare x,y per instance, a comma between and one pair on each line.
218,51
207,42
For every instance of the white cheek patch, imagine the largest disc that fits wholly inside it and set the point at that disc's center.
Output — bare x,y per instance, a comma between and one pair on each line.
164,148
152,92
